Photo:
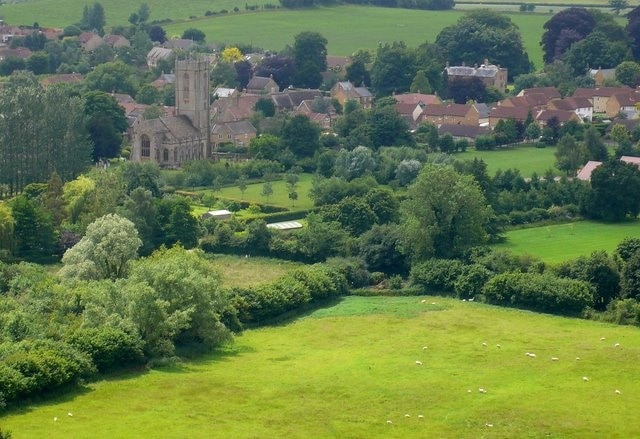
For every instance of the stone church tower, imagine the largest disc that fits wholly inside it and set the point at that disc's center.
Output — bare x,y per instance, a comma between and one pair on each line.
192,95
172,140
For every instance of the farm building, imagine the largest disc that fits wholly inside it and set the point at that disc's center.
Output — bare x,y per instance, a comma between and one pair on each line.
222,214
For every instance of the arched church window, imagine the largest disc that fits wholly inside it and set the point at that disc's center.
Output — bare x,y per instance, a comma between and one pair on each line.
145,144
185,88
165,155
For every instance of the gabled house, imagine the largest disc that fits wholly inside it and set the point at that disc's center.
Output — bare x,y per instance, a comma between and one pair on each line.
624,103
502,112
238,133
600,75
417,99
291,98
163,80
490,74
452,114
18,52
116,41
579,105
600,96
458,132
548,93
90,41
225,92
409,112
345,91
262,85
563,116
585,173
234,108
156,54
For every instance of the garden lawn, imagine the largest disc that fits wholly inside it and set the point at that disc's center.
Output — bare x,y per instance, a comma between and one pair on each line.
280,196
527,159
557,243
350,371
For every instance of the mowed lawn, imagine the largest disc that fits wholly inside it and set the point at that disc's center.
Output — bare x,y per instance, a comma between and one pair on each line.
350,371
527,159
557,243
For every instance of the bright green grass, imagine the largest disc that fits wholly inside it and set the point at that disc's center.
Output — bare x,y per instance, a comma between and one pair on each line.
344,33
527,159
280,195
344,371
561,242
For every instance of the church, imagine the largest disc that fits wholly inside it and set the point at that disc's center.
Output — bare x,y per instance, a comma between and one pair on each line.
173,140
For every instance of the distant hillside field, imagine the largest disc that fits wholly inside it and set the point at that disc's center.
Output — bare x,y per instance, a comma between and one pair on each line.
350,371
347,28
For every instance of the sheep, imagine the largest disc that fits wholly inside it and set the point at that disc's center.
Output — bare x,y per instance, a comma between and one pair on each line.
617,345
488,425
481,390
424,348
69,414
530,354
618,392
389,422
602,338
472,299
419,363
554,358
423,301
585,378
55,419
498,346
484,343
420,416
407,415
577,358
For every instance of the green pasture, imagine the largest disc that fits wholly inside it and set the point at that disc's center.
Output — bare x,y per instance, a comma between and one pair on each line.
280,196
345,371
528,159
557,243
345,34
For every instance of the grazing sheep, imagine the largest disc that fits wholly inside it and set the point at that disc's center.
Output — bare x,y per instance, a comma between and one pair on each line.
481,390
578,358
617,345
602,338
423,301
419,363
424,348
389,422
530,354
469,391
407,415
498,346
69,414
484,343
554,358
618,392
420,416
488,425
585,378
55,419
472,299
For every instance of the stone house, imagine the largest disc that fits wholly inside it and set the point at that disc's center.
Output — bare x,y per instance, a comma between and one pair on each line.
600,96
156,54
345,91
491,75
262,85
624,103
116,41
238,133
579,105
90,41
451,114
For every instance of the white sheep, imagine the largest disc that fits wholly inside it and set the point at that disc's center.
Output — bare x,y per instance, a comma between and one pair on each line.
407,415
577,358
55,419
481,390
389,422
69,414
585,378
617,345
420,416
554,358
484,343
419,363
602,338
424,348
498,346
618,392
488,425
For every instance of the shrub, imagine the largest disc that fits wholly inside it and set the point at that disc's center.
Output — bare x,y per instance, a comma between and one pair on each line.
46,364
622,312
470,283
539,292
12,383
436,275
109,348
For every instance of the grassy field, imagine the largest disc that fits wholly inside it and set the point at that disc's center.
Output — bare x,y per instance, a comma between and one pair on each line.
528,159
557,243
274,30
345,371
246,272
280,195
